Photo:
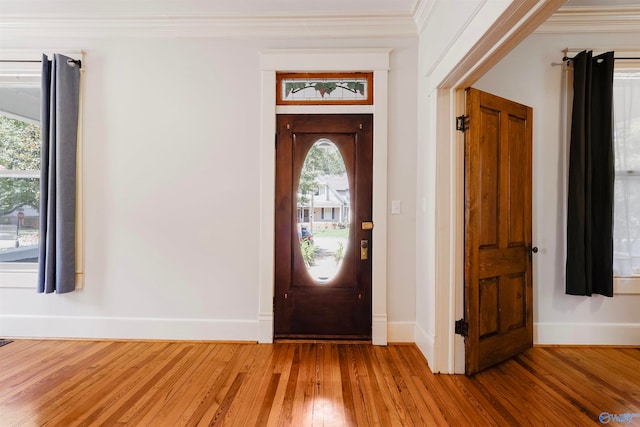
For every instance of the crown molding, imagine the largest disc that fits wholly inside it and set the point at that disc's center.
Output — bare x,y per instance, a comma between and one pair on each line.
220,26
421,12
620,19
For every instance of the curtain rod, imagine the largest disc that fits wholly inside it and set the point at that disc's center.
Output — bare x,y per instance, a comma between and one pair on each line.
566,59
630,54
620,58
75,61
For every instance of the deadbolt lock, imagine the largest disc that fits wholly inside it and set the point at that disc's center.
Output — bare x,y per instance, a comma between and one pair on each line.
364,249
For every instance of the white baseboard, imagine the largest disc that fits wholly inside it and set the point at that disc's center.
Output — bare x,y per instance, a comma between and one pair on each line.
401,332
426,344
171,329
586,334
379,332
265,328
127,328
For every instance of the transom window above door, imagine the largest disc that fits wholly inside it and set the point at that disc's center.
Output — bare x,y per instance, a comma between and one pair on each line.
324,88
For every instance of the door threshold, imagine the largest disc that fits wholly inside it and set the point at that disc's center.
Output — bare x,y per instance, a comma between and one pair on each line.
320,341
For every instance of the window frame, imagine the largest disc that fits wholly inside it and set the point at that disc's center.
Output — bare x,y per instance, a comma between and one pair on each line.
310,77
627,284
26,72
26,66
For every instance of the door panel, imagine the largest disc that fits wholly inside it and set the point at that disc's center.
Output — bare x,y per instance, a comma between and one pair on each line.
498,283
305,307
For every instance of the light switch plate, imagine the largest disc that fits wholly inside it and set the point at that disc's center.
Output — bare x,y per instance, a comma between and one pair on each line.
395,207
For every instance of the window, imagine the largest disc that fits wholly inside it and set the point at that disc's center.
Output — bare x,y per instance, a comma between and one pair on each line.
20,80
324,88
19,187
19,172
626,98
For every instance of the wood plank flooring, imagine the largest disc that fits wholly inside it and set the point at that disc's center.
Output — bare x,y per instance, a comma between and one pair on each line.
105,383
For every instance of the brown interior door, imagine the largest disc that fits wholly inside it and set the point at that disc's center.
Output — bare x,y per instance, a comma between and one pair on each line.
498,284
306,303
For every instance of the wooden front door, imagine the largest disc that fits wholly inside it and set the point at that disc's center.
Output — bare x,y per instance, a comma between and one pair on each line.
308,304
498,284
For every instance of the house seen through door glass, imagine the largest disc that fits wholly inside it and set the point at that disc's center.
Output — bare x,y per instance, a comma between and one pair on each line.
323,204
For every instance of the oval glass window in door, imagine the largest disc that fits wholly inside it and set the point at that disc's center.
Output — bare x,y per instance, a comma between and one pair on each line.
323,204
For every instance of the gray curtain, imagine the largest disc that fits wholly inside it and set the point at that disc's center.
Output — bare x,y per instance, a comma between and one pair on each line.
591,178
59,129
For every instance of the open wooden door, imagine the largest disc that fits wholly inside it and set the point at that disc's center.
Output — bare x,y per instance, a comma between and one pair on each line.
497,275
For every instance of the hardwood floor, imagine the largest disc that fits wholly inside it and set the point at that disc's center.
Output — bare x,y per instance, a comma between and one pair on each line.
103,383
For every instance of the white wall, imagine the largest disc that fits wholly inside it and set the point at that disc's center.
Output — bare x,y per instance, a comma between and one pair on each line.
171,137
526,76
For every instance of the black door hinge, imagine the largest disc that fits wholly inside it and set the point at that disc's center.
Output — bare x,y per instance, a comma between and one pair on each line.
462,123
462,328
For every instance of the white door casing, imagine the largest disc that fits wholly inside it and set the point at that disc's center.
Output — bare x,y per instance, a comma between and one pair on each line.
323,60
